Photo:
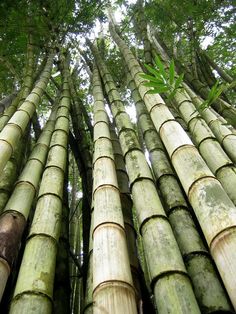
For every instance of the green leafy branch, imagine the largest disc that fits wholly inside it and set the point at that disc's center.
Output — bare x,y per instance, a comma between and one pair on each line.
214,94
161,80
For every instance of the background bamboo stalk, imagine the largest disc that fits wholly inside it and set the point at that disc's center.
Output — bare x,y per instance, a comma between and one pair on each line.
222,132
34,285
221,106
142,295
111,270
161,250
208,146
203,190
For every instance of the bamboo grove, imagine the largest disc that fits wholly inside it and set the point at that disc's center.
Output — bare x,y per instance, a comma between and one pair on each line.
103,210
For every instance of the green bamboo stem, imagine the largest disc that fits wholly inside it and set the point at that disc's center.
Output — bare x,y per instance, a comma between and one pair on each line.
203,190
111,269
29,71
83,137
6,101
127,204
18,207
83,108
34,287
221,131
219,70
84,145
171,285
210,149
8,113
221,106
11,171
209,292
16,126
141,25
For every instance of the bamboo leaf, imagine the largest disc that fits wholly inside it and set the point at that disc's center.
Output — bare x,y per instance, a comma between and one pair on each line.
160,67
152,70
179,80
151,78
153,84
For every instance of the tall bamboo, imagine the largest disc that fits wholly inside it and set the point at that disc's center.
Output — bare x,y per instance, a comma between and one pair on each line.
34,287
221,131
111,269
207,286
215,211
12,170
207,144
16,126
142,294
169,279
13,219
215,66
84,146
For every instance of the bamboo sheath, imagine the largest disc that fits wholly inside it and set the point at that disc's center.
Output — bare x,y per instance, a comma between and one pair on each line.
16,126
213,208
113,290
16,212
170,282
208,289
34,287
223,134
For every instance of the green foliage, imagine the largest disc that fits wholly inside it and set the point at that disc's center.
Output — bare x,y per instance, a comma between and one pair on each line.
161,80
215,93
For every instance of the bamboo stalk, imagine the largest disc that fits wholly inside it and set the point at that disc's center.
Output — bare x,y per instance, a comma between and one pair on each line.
207,287
166,268
16,126
214,210
221,131
16,212
207,144
113,290
34,287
